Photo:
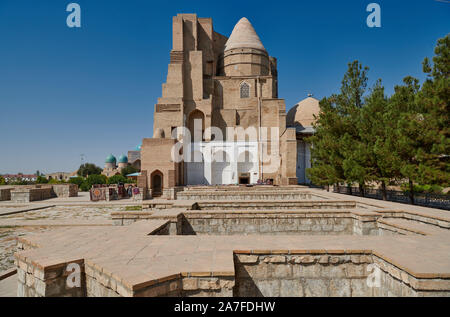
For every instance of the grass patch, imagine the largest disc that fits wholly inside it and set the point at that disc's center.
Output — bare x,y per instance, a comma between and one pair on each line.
133,208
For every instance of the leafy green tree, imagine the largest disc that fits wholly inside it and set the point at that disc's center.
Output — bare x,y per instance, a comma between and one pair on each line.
374,138
41,180
433,100
129,170
349,105
93,180
117,179
407,142
338,155
77,181
2,180
89,169
97,179
325,154
375,132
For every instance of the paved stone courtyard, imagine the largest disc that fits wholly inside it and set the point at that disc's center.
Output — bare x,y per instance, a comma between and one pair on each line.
20,224
241,242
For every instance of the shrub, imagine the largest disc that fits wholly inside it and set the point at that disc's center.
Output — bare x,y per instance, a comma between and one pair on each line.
85,187
427,189
2,181
41,180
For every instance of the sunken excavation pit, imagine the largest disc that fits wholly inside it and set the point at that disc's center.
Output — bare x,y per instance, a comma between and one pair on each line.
310,246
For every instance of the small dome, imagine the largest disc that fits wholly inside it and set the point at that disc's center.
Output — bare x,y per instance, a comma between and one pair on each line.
110,159
123,159
159,134
302,114
138,148
244,36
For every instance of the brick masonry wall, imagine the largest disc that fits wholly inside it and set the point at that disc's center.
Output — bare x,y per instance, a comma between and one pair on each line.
36,282
269,205
101,284
256,274
5,194
267,225
237,195
65,190
31,194
327,275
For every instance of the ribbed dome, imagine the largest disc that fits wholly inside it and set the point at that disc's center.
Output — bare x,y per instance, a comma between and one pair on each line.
123,159
302,114
244,36
110,159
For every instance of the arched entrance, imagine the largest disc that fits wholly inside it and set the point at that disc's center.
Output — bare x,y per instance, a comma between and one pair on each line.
221,169
196,130
157,183
246,166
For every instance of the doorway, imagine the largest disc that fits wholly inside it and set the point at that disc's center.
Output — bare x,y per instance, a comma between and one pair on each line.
157,184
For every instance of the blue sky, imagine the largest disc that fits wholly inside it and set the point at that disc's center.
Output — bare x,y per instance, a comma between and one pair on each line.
66,92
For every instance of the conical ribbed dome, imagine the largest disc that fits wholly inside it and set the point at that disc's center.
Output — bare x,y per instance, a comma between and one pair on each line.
244,36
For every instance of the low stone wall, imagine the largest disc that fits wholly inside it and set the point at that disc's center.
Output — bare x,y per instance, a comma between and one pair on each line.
172,193
26,195
243,195
331,275
5,193
276,224
277,205
245,188
257,274
102,284
65,190
51,282
259,223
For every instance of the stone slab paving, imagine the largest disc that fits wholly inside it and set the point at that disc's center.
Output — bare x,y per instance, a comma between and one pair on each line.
17,225
8,287
8,243
137,258
22,209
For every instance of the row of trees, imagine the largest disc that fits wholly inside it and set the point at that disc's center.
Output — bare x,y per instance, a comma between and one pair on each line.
89,174
91,169
362,136
85,183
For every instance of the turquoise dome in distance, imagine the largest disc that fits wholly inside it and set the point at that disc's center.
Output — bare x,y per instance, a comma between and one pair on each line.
110,159
123,159
138,148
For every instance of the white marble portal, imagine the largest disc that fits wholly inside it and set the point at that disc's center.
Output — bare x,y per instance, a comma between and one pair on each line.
222,163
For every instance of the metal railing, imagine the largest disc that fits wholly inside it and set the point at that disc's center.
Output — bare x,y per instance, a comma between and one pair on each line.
420,199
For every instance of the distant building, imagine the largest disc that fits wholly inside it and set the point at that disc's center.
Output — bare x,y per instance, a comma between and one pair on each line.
60,176
19,177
